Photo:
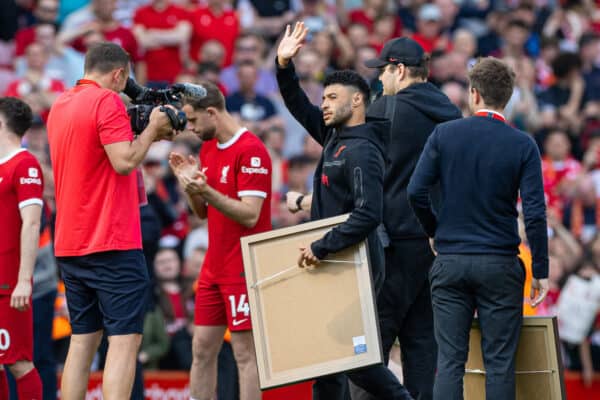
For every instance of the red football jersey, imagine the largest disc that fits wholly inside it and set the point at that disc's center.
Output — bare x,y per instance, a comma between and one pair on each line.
97,209
163,63
241,167
21,185
224,28
118,35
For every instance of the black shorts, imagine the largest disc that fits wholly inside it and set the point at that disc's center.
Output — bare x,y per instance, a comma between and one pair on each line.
107,290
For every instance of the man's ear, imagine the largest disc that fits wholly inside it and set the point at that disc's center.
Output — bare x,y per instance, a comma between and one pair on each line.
358,99
476,96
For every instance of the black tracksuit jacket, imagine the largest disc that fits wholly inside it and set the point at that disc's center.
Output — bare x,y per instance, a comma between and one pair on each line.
349,176
417,110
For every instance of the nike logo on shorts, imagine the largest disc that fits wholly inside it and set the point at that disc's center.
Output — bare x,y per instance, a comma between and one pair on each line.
236,322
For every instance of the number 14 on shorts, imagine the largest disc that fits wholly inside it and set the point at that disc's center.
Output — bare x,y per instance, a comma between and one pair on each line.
240,306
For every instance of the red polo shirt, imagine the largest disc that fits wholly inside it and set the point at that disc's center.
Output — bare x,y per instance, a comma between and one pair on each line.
96,208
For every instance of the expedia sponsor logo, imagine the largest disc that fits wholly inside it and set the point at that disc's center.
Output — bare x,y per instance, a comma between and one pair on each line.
31,181
261,170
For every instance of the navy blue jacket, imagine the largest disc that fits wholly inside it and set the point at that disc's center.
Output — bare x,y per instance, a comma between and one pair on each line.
482,165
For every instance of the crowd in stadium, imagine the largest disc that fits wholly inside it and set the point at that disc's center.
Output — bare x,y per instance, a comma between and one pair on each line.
552,45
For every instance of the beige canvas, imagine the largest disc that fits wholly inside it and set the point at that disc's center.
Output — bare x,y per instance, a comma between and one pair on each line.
309,323
539,372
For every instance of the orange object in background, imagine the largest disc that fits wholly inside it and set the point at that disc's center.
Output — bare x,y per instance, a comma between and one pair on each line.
61,327
525,256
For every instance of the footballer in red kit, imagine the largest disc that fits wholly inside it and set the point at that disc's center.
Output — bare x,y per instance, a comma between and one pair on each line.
231,187
21,190
237,168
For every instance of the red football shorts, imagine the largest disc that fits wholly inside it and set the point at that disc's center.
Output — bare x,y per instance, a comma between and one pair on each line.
16,333
222,304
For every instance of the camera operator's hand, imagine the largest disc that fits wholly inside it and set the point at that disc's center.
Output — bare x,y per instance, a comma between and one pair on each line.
161,124
291,43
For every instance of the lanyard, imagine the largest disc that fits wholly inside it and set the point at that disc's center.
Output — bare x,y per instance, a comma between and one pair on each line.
491,114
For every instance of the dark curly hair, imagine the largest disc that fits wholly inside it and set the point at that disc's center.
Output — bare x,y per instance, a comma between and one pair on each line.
17,115
349,78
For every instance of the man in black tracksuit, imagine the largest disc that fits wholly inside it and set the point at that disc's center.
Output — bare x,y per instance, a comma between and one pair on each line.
348,179
415,107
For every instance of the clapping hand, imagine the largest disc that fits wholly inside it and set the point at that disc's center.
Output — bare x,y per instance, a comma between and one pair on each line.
188,174
291,43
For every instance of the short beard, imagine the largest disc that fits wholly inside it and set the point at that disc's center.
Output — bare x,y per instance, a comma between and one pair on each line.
341,117
208,134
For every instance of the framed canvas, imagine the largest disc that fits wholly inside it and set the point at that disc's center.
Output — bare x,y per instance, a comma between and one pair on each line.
309,322
539,369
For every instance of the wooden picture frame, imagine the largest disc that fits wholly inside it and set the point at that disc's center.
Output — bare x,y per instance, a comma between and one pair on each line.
539,368
309,322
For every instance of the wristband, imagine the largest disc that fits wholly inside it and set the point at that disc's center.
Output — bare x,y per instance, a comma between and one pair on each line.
299,202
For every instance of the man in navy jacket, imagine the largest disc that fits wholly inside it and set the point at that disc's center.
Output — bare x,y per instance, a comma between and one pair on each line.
482,165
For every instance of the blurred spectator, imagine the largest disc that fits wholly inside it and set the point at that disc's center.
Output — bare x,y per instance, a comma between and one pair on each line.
449,10
167,268
370,11
589,51
274,139
514,37
358,35
299,173
429,30
155,342
64,63
214,21
250,47
560,171
265,17
457,93
581,215
449,67
8,21
549,50
164,31
309,68
45,281
209,71
36,88
560,104
212,51
465,43
568,24
383,30
45,11
101,19
371,75
522,108
495,23
255,111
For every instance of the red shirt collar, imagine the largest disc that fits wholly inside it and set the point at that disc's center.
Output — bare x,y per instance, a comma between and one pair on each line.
491,114
87,82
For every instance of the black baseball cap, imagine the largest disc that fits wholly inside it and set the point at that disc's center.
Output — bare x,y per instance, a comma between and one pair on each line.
401,50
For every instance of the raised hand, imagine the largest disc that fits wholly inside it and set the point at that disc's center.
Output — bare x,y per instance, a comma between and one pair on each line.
290,43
